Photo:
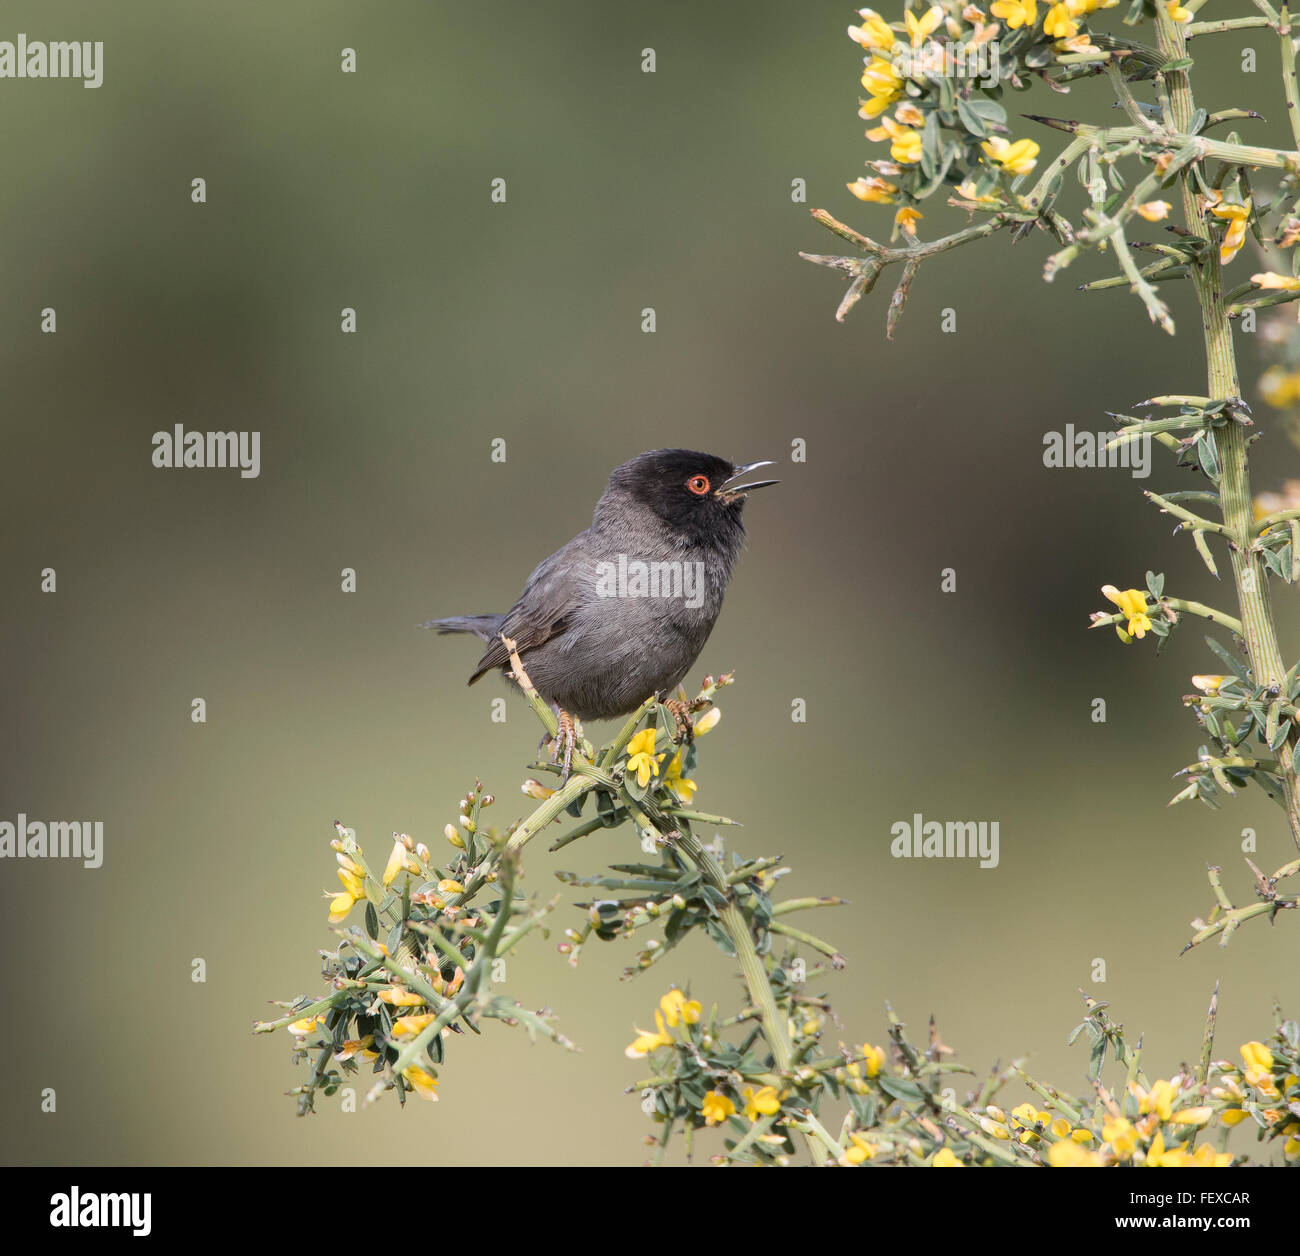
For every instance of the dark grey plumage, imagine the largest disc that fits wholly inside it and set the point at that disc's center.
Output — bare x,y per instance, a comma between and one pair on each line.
600,657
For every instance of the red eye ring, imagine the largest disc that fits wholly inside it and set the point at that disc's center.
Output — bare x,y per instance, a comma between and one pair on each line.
698,484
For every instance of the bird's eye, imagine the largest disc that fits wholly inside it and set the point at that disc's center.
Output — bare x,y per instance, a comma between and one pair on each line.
698,484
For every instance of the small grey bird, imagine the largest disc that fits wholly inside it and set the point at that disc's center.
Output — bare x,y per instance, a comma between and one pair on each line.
624,609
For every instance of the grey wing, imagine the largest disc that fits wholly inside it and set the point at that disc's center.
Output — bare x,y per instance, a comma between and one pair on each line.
553,592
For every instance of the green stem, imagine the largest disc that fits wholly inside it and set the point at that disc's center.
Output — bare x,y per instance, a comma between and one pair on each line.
751,966
1288,76
1248,570
1227,24
1178,137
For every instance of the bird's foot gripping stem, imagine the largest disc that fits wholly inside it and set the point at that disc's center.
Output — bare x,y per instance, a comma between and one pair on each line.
681,713
566,736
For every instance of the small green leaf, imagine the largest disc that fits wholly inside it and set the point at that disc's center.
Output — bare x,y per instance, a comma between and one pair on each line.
971,120
898,1088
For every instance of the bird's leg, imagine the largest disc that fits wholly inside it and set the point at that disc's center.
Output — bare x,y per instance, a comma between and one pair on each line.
565,735
681,713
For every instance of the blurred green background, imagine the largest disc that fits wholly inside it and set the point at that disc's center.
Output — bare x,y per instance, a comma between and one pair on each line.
522,321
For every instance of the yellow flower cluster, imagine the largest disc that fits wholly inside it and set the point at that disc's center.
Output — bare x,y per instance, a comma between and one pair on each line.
1266,1085
675,1009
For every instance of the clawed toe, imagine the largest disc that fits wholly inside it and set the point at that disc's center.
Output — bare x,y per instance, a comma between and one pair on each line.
566,736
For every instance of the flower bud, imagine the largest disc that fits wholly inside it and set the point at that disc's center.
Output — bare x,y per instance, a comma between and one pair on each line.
707,721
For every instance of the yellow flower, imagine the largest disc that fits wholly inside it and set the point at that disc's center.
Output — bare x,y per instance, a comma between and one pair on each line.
1259,1067
1122,1135
1059,24
919,27
859,1150
967,191
1153,211
354,890
1017,158
532,788
905,147
647,1042
1258,1057
1015,13
424,1084
883,84
1159,1158
395,862
340,905
405,1026
1210,685
1280,388
764,1102
1159,1099
717,1108
1205,1157
307,1025
874,31
907,218
1133,603
873,1058
677,1009
641,757
1026,1114
882,193
1271,279
1233,1116
1237,217
682,789
711,717
1069,1155
395,996
358,1046
1193,1116
1177,12
945,1159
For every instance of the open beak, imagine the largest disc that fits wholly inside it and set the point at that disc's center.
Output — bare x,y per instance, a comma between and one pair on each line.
730,489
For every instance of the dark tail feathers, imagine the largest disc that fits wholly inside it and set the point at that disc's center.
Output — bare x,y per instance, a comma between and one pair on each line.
485,627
